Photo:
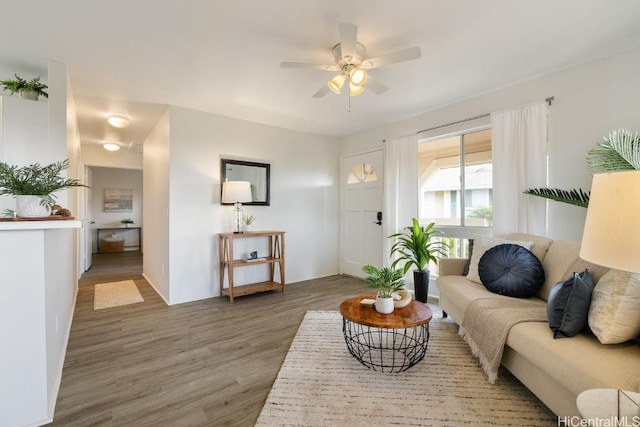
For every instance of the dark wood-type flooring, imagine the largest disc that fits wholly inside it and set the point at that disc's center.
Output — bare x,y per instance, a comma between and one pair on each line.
205,363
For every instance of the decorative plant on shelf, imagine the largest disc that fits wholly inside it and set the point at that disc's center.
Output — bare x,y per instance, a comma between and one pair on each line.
127,221
23,87
38,183
248,219
417,246
621,151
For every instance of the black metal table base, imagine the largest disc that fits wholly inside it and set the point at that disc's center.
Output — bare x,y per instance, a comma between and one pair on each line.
386,350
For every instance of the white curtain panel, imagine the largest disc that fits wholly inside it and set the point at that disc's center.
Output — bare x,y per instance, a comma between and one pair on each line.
519,144
400,188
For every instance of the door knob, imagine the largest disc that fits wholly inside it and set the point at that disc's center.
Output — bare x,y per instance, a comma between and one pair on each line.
378,218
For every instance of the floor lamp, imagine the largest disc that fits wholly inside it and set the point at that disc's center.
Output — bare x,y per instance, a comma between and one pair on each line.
236,192
611,232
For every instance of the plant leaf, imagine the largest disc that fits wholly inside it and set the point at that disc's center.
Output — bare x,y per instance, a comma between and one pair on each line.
620,151
572,197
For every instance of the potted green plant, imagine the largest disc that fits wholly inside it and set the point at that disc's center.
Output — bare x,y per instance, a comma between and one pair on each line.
127,222
386,281
34,186
248,220
27,89
417,246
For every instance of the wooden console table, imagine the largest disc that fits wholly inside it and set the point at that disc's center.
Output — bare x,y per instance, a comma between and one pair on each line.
137,229
228,263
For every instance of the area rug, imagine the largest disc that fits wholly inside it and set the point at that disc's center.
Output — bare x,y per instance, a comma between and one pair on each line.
114,294
321,384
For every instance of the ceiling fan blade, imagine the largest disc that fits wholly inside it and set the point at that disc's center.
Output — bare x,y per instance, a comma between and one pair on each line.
322,92
324,67
348,40
375,86
392,58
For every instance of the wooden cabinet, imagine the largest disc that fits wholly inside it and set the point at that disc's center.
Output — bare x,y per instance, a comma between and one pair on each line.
228,263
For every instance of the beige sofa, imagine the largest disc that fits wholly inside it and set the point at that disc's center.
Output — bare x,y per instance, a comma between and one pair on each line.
555,370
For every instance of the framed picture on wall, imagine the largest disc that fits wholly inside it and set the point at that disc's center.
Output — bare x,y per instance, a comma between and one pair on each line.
118,200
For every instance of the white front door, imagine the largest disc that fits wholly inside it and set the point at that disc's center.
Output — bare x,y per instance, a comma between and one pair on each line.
362,192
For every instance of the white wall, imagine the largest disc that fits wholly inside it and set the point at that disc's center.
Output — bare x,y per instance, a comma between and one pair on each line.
36,305
46,278
590,101
304,198
155,184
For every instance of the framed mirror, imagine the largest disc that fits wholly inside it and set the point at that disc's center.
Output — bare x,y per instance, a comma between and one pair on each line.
258,174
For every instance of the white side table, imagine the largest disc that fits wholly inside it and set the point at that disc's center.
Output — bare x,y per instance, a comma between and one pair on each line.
611,404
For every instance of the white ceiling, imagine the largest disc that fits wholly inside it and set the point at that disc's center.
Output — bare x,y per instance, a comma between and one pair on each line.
223,56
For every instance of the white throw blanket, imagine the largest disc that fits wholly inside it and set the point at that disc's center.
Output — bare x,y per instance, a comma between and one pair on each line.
487,322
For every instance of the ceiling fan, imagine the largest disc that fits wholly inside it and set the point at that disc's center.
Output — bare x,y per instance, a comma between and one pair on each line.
352,65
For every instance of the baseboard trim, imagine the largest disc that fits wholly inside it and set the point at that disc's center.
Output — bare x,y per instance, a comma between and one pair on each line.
155,289
58,380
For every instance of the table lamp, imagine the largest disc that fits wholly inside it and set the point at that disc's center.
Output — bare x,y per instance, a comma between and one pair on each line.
236,192
611,235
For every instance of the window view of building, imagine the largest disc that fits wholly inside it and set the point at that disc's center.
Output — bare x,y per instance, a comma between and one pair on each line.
455,183
455,180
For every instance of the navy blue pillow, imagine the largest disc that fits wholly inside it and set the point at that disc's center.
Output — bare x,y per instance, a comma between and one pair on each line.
568,305
511,270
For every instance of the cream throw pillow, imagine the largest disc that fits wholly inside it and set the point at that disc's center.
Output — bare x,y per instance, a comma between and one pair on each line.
481,244
614,314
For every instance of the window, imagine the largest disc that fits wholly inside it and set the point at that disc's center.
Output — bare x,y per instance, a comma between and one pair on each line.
455,183
362,172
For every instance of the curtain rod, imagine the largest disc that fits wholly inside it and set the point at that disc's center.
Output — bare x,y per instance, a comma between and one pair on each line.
481,116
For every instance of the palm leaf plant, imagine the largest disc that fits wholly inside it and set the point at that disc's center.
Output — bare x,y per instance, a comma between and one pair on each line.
417,246
620,151
573,197
385,280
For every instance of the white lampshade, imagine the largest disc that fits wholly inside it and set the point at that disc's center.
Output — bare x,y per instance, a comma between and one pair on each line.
236,191
355,90
611,231
358,76
335,84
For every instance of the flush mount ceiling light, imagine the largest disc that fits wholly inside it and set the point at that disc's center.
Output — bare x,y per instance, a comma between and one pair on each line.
118,121
110,146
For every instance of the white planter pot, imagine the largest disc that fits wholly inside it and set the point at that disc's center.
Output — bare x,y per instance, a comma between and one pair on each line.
29,95
30,207
384,305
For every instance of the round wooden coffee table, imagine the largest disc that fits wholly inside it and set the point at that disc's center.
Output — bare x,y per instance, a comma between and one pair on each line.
386,342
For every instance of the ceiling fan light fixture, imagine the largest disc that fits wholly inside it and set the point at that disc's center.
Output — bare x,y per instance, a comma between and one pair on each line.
110,146
358,76
355,89
118,121
335,84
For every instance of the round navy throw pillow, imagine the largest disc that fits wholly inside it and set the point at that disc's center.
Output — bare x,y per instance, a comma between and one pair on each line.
511,270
